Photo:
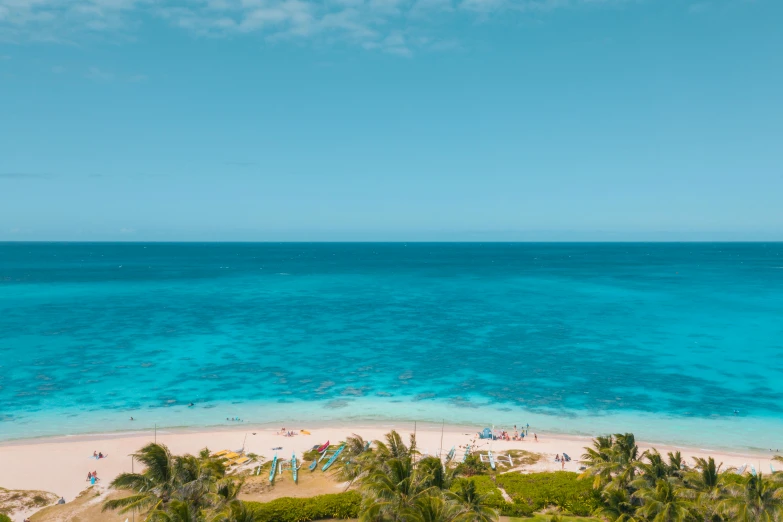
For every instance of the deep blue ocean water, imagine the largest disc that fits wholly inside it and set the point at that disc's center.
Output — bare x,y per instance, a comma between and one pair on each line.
664,339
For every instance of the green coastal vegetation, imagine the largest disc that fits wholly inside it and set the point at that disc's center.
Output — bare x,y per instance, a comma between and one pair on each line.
391,481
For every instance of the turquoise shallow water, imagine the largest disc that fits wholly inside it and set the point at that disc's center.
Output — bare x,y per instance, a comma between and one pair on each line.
665,339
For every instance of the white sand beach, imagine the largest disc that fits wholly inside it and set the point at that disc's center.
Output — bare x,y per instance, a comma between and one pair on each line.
60,465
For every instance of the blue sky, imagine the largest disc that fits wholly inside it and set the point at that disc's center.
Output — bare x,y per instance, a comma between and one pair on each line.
391,120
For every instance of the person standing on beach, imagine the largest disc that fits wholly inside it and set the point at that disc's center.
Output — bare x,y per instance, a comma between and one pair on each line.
535,436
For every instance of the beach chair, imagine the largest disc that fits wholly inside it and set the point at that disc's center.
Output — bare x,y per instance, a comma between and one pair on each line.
221,453
241,461
231,455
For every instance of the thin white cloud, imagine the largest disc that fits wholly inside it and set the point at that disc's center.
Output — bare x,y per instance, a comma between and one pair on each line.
99,75
396,43
372,24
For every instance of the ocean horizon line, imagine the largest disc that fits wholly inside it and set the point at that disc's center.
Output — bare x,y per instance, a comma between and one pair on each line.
396,242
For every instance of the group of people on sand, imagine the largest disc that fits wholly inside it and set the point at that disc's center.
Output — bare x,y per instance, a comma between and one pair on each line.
562,460
288,433
522,432
519,434
98,455
92,477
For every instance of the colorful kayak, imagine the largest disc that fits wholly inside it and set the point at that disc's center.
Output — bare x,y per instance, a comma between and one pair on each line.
314,465
467,452
294,469
323,455
333,458
273,470
491,460
323,448
451,453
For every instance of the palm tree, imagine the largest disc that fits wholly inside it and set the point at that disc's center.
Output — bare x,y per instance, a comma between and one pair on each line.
154,487
626,455
617,506
473,506
758,499
706,485
201,480
676,466
392,489
175,486
224,492
437,475
394,447
651,469
235,511
431,508
612,458
663,502
359,461
177,511
598,459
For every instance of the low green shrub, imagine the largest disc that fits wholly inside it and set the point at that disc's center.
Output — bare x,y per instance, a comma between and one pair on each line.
485,486
4,518
517,509
472,466
287,509
561,488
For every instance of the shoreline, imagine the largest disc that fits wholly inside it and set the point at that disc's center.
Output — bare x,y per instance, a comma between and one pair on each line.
370,423
421,426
